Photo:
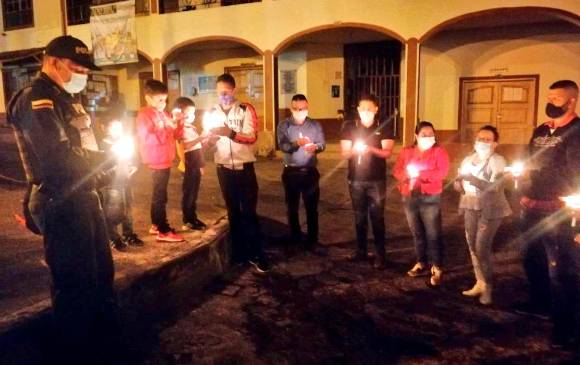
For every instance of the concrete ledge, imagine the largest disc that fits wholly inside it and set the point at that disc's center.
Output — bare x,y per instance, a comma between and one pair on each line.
148,280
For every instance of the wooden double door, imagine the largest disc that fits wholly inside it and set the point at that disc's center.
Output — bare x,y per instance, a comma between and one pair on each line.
507,103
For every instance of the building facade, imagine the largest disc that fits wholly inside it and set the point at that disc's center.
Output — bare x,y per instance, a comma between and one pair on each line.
456,63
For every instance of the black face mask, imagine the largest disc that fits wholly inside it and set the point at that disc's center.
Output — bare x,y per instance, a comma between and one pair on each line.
555,112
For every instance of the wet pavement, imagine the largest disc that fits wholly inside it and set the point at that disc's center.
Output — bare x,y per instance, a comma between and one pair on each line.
315,309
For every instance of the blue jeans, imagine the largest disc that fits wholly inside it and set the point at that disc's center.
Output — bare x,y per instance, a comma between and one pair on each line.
548,259
368,199
424,217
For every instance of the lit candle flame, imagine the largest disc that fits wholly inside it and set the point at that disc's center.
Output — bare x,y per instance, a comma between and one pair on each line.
572,202
516,169
210,121
116,129
412,171
124,148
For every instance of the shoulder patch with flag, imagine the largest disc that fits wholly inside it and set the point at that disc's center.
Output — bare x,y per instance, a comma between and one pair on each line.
42,104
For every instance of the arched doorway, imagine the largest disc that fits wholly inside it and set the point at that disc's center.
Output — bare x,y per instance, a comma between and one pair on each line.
333,65
494,67
191,69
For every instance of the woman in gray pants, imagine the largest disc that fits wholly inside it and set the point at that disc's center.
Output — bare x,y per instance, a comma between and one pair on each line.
484,205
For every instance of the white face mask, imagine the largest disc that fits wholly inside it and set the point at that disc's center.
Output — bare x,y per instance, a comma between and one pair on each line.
367,117
300,116
482,149
76,83
424,143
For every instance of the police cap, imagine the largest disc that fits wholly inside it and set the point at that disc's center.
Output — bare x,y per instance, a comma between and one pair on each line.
72,48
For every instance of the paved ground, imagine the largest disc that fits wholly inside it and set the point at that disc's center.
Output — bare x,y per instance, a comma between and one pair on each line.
318,310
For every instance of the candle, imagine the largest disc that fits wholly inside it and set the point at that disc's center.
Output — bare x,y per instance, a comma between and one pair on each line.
359,147
573,203
516,169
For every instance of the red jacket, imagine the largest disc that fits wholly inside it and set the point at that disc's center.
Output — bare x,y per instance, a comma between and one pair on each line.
157,134
432,164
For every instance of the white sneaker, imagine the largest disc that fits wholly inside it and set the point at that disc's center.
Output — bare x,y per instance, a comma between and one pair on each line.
485,297
436,274
475,291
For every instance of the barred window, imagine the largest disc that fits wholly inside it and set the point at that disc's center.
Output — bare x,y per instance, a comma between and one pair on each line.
17,14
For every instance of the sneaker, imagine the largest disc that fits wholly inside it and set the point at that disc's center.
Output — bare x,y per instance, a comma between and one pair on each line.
261,264
197,226
380,263
485,297
119,245
418,270
169,237
359,256
475,291
436,274
134,240
154,230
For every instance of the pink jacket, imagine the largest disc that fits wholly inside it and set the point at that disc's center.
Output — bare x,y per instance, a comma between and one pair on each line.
157,134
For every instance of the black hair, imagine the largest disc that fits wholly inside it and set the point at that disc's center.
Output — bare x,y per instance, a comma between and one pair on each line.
422,125
155,87
564,84
369,97
183,102
228,79
491,129
299,97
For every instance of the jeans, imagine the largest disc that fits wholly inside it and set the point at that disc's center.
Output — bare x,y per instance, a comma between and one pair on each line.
424,217
302,182
368,198
78,254
548,260
479,234
190,188
240,192
117,203
159,200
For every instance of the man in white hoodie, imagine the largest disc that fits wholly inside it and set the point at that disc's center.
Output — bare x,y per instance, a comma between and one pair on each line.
236,124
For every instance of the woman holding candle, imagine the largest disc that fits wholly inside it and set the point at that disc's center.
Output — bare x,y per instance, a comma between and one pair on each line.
483,205
420,170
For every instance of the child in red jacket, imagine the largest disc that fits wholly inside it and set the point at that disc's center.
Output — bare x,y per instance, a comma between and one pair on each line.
157,132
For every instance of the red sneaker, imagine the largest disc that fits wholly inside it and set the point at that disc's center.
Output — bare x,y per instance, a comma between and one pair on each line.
153,230
170,237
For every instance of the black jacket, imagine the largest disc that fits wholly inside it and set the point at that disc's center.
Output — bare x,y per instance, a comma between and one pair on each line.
48,124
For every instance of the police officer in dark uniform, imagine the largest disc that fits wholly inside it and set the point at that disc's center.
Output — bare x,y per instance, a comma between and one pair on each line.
63,166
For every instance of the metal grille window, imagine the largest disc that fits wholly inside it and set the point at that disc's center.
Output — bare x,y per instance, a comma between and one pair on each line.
79,11
17,14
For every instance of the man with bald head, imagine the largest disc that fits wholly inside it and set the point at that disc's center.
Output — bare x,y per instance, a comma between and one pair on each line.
63,167
554,170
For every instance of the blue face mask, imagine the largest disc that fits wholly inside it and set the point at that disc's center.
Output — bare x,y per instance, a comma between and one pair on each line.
226,99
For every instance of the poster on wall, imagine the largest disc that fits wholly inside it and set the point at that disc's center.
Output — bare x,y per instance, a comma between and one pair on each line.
113,33
206,84
288,81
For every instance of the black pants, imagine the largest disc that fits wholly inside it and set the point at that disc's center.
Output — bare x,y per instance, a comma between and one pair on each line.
190,187
548,259
159,200
78,254
240,192
302,182
368,199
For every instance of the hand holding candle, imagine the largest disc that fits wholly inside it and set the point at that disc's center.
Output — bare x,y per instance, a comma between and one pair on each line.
359,148
210,121
124,148
573,203
517,170
412,171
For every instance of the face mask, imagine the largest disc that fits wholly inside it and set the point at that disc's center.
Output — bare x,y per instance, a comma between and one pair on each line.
555,112
226,99
367,117
482,149
300,116
76,83
190,118
424,143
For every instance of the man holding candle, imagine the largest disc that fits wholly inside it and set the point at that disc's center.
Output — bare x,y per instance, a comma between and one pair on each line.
234,126
301,139
367,143
554,165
